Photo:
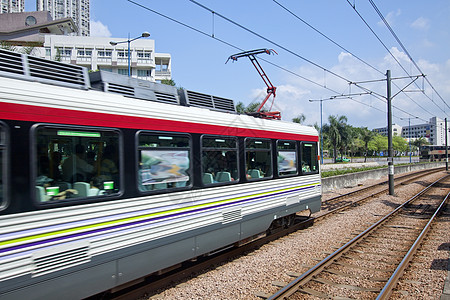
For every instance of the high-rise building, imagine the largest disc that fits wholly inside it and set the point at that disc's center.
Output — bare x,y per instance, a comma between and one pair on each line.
78,10
11,6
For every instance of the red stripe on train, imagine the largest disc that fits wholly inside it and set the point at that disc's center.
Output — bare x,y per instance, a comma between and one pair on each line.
21,112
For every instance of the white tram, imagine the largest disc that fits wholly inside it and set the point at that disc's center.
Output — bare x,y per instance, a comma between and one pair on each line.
107,180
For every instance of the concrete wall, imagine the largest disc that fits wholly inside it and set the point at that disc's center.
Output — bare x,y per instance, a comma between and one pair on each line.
353,179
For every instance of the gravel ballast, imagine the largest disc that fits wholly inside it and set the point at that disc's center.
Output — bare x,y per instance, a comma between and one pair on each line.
253,274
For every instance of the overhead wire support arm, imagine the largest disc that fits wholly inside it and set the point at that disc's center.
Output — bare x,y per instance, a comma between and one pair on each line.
271,89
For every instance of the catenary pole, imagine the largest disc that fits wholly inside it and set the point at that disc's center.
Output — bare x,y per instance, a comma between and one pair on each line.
446,145
390,150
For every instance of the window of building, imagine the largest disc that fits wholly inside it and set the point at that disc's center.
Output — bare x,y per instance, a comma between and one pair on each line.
310,162
219,159
104,54
287,158
105,69
64,52
81,52
122,71
164,161
122,53
258,158
144,73
144,54
73,163
162,68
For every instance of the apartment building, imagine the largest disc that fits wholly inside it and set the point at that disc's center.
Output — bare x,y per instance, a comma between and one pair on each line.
433,131
78,10
97,53
12,6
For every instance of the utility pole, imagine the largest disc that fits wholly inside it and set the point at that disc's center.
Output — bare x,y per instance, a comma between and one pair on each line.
446,145
390,148
389,98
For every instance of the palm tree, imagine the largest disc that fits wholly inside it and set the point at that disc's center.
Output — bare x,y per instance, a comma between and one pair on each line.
299,119
420,142
335,131
366,136
8,46
170,82
242,109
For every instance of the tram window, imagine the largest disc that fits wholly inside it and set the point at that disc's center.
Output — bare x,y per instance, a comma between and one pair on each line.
258,158
76,163
2,164
219,159
287,158
164,161
310,163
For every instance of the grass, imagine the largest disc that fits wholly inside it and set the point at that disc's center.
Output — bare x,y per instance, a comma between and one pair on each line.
354,170
348,171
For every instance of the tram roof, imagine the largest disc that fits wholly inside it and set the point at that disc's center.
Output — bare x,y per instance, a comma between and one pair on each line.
60,93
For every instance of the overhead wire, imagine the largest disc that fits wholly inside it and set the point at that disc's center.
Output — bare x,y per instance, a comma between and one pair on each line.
405,50
379,97
270,41
240,49
295,54
326,37
393,56
346,50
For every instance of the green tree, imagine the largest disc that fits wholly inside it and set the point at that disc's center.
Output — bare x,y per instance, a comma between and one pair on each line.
353,139
399,144
8,46
242,109
420,142
299,119
378,143
366,136
170,82
335,132
58,55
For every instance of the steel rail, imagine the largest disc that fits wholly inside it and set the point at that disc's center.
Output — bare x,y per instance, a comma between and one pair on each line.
386,292
413,175
294,285
352,203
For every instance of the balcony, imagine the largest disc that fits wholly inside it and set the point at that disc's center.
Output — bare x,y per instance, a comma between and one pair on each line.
104,60
164,73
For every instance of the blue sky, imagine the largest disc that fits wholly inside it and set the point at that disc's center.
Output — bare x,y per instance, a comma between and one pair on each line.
198,60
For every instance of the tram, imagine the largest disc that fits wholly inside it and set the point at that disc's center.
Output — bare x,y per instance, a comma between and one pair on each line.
105,179
433,153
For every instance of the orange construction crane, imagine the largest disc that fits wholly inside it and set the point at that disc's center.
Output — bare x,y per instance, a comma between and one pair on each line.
270,88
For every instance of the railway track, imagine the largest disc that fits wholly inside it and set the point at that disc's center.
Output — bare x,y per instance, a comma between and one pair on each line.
180,272
370,264
341,202
154,282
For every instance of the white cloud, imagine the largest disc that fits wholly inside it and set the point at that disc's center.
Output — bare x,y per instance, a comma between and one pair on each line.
99,29
421,24
343,55
390,18
400,56
369,111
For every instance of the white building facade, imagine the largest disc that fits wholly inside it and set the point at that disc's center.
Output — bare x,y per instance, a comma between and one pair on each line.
78,10
12,6
396,130
96,53
433,131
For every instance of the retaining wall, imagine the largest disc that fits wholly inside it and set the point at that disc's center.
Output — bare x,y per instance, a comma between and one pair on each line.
353,179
